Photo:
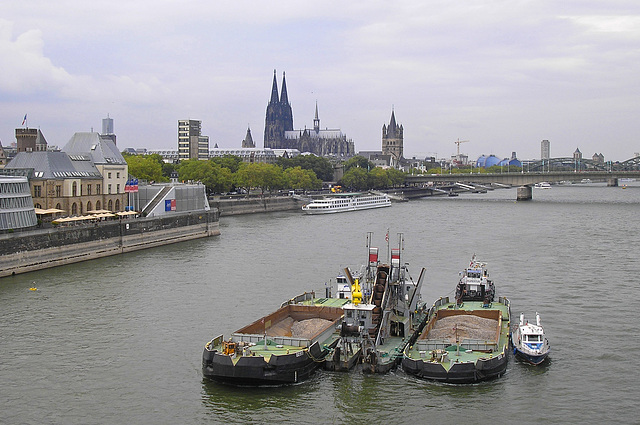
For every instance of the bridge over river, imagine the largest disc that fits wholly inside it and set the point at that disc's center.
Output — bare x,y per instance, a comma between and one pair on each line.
523,180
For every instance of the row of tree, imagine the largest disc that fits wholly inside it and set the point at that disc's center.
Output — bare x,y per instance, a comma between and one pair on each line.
228,173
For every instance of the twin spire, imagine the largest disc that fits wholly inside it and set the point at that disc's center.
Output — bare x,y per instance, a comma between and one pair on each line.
283,98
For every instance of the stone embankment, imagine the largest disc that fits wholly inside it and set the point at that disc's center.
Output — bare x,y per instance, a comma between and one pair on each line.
242,205
40,249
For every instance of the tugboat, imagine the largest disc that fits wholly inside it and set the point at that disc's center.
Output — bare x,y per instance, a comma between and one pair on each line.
529,341
464,341
385,313
286,346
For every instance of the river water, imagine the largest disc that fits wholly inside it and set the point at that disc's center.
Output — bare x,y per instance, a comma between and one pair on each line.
120,339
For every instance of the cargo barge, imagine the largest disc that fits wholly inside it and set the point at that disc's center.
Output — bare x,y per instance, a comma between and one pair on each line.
466,340
284,347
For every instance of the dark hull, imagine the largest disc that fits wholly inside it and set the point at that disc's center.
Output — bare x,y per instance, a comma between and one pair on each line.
380,367
534,360
459,373
254,370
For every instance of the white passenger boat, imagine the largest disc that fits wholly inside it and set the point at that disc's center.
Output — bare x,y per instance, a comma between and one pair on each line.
529,341
543,185
347,202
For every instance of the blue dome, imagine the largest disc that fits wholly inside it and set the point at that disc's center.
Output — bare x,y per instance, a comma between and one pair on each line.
487,161
512,162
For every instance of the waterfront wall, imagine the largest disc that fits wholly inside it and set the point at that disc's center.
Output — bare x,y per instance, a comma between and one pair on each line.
40,249
236,206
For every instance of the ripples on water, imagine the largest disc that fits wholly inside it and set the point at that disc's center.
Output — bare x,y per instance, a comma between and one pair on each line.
120,339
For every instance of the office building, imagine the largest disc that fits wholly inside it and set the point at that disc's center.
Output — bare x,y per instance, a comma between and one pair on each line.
545,150
191,143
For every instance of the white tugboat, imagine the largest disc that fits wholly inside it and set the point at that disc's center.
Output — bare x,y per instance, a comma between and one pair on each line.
529,341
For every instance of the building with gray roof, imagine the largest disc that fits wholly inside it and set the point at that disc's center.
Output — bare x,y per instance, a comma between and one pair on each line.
88,174
106,157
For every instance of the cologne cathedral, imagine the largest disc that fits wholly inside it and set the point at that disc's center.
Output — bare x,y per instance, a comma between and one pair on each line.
279,132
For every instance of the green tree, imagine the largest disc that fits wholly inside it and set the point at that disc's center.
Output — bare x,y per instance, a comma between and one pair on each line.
197,171
259,175
167,169
396,177
216,178
297,178
145,167
378,178
319,165
356,178
230,162
359,161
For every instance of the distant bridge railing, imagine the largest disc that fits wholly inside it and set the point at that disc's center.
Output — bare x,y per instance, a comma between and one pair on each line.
567,163
524,178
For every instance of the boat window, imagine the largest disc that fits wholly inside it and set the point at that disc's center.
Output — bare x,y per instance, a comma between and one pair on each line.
349,313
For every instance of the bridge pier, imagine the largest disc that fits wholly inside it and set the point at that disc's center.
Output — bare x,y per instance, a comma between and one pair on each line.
612,182
525,193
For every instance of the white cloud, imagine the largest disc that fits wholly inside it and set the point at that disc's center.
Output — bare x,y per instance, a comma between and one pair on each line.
627,24
25,69
500,73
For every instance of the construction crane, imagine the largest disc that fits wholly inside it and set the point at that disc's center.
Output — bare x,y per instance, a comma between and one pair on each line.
457,142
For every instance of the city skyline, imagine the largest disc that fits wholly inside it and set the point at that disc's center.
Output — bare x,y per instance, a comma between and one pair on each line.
502,75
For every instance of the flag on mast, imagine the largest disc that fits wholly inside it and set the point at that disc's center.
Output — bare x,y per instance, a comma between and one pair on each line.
24,120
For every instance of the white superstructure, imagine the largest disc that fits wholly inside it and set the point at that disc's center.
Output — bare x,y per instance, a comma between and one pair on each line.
347,202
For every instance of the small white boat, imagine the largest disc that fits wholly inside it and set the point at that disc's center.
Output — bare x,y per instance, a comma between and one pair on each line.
347,202
529,341
542,185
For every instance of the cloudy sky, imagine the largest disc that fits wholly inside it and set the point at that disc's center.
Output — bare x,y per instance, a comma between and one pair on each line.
503,74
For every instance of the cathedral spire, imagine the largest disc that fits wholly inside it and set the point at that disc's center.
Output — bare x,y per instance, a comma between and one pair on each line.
283,96
316,120
274,90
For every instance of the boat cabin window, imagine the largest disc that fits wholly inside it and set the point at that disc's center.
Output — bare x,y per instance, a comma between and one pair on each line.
349,313
533,338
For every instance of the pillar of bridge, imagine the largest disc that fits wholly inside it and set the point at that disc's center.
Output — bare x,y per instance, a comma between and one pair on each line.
525,193
613,182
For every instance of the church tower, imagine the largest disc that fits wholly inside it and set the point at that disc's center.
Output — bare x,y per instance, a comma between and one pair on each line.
248,140
393,139
279,117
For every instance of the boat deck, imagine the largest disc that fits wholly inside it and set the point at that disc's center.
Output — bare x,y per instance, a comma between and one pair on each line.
391,350
463,334
272,348
330,302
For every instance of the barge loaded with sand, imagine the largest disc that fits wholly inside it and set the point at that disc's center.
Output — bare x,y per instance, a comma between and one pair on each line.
464,341
286,346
